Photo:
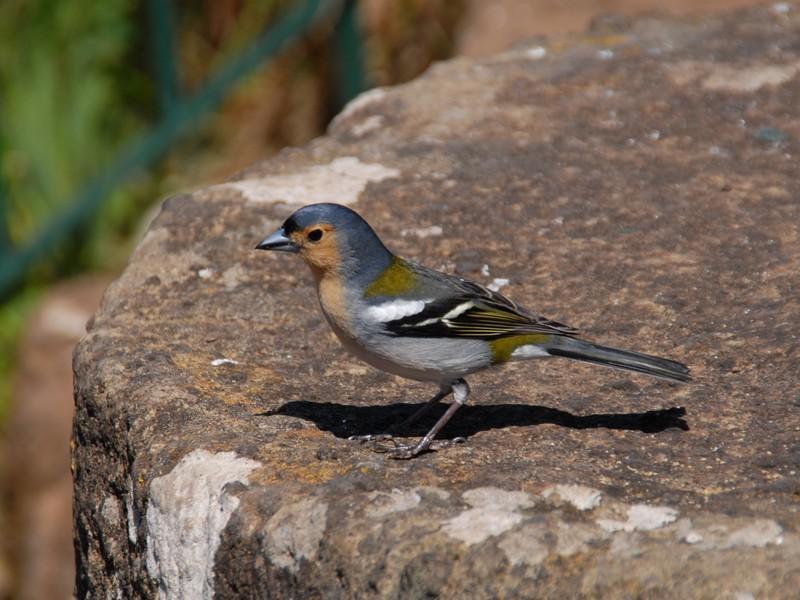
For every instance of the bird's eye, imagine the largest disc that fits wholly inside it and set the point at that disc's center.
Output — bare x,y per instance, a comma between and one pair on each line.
314,235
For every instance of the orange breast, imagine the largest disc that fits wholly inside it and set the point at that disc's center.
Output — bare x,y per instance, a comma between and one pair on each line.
332,299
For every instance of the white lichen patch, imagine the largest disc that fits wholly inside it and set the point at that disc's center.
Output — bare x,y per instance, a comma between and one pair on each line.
340,181
382,504
757,535
371,123
434,492
233,276
493,512
359,102
693,538
574,538
295,531
188,509
749,79
737,78
498,283
422,232
731,77
641,517
131,514
223,361
536,52
525,545
110,511
625,546
580,496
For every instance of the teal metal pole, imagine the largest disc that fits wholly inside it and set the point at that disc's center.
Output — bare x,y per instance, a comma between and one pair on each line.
349,56
5,238
162,54
152,145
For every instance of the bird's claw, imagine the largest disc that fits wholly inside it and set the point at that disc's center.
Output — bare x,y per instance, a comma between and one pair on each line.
442,444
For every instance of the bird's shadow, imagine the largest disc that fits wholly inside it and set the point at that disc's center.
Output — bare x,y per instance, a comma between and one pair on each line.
345,420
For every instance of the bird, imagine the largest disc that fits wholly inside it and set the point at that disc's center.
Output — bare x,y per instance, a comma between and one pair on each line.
427,325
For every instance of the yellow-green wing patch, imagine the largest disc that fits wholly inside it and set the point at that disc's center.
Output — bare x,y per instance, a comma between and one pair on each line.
395,280
502,348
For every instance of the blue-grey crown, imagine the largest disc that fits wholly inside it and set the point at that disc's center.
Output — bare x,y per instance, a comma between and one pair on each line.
362,252
337,215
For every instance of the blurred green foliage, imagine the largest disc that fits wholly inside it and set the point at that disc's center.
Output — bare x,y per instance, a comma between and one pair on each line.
76,86
69,100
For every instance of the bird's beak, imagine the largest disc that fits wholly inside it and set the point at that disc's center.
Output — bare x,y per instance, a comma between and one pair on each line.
277,241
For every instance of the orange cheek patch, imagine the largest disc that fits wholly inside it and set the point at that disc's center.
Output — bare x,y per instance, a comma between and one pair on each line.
322,255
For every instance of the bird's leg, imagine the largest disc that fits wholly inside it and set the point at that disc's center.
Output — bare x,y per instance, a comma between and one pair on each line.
446,390
460,394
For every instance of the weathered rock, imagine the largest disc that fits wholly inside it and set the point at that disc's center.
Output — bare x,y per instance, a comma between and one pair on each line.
639,182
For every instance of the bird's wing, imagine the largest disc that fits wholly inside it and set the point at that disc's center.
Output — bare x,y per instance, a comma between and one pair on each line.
462,308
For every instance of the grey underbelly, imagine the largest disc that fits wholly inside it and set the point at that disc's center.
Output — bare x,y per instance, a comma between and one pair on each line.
422,359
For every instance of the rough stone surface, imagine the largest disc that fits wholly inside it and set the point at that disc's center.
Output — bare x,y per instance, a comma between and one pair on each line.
640,182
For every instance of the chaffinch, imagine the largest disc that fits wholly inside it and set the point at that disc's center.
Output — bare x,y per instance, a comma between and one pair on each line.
425,325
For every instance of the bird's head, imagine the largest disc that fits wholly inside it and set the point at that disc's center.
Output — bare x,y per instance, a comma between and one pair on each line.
330,237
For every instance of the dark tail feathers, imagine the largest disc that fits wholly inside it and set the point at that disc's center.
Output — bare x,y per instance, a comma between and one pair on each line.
619,359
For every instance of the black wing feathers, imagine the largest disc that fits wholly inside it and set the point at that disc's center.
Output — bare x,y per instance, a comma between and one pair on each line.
474,311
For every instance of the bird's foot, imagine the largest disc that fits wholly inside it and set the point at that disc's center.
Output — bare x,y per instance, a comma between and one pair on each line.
398,451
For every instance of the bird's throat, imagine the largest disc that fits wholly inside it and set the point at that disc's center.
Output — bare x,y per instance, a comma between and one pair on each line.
332,298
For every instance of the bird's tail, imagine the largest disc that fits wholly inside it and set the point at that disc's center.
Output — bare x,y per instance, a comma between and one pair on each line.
576,349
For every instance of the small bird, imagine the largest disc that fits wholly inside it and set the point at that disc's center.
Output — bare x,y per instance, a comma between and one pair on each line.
426,325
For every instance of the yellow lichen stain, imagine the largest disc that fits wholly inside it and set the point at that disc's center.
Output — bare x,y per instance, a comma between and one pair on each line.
217,381
559,45
608,40
287,459
713,491
317,472
308,433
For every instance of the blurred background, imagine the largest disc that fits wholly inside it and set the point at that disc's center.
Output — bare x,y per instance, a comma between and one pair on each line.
108,107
